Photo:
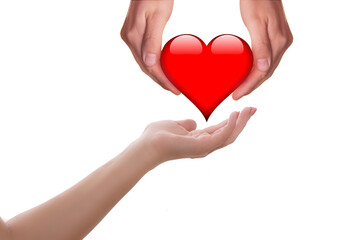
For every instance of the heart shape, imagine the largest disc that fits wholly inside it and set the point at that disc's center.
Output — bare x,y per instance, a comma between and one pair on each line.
206,75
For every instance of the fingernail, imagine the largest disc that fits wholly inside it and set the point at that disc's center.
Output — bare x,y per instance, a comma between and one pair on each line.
253,111
238,98
176,92
263,64
150,59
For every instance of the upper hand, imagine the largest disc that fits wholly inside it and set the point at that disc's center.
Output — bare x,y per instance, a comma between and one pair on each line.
142,32
168,140
270,35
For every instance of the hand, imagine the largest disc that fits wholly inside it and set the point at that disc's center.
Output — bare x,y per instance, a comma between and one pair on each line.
169,140
270,35
142,32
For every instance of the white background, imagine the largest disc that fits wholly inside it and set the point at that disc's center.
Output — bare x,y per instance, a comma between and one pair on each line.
72,97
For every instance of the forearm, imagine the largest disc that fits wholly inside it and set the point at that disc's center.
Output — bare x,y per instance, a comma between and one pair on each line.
75,212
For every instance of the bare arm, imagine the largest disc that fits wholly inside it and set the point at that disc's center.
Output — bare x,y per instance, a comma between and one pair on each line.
75,212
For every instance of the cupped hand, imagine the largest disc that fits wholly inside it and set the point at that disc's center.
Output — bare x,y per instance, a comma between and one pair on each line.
142,32
271,37
168,140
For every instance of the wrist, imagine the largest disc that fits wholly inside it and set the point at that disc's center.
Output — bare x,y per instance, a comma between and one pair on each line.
142,154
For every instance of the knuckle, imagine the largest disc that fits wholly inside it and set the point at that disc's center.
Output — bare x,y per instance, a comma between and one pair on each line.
282,40
262,76
128,35
144,69
290,39
285,40
262,79
123,34
150,70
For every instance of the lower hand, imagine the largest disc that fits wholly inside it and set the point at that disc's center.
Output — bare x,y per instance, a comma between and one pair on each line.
271,37
168,140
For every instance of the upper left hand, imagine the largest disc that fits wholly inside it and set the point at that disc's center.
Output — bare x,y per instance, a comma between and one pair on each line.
142,32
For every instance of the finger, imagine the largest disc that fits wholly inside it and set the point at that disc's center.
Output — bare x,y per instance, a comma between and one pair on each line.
205,143
214,128
253,79
219,137
140,62
262,54
276,62
159,76
151,51
245,115
279,47
152,40
208,130
136,52
187,124
132,33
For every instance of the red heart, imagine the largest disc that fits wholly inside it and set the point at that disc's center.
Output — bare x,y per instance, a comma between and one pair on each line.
206,75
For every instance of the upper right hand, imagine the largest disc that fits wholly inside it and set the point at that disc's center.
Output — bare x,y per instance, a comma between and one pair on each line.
271,37
142,32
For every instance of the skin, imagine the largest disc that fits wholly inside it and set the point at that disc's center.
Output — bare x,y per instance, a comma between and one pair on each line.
142,32
265,20
271,37
74,213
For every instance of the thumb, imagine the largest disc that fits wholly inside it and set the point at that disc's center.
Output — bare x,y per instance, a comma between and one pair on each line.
152,40
261,47
188,124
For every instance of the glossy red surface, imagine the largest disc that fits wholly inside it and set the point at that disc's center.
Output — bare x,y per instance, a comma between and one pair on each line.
206,75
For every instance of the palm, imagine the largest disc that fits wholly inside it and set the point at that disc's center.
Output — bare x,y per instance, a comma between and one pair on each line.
180,139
